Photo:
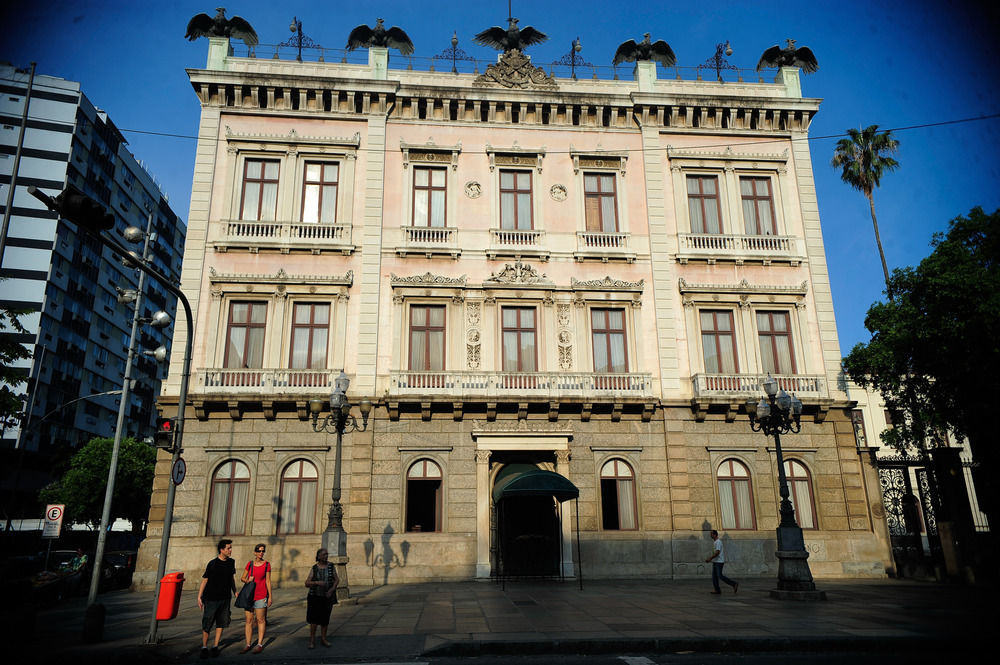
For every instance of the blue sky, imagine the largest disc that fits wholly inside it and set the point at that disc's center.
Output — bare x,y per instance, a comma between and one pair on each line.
891,63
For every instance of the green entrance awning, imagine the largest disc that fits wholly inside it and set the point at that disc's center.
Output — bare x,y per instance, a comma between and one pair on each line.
535,482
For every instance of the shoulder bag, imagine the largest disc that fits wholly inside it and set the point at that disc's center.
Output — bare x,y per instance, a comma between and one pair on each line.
245,598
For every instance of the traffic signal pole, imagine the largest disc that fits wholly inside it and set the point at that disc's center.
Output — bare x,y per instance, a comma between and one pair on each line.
94,226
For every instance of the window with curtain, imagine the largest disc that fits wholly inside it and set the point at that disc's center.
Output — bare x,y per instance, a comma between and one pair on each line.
260,190
717,342
245,334
427,337
429,189
423,496
618,505
775,336
704,208
319,193
735,495
227,504
515,200
758,206
600,202
297,512
310,335
519,335
607,327
800,493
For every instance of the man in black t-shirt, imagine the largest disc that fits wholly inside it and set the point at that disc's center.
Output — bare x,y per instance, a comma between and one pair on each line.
217,585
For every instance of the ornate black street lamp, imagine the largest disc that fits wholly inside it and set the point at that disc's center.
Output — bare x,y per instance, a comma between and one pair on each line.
338,421
718,62
572,59
298,39
780,414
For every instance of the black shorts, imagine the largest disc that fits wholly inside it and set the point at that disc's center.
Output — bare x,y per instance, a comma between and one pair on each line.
216,613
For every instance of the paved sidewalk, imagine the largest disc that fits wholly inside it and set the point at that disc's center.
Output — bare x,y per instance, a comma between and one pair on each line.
403,622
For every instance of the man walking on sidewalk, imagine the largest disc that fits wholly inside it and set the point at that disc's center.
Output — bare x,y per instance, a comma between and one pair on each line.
718,560
218,585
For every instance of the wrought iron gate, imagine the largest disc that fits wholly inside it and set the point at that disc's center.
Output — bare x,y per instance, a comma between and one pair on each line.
903,508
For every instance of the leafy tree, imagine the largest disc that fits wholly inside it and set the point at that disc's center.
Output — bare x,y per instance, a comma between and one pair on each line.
934,354
83,486
864,158
10,352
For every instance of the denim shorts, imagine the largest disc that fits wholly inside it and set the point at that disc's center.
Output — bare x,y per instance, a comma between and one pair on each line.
260,604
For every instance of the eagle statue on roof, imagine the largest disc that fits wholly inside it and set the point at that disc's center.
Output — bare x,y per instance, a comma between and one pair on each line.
658,51
789,57
513,38
203,25
365,37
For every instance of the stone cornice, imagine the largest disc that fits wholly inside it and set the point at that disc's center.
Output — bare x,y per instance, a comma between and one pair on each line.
427,279
280,277
743,287
727,155
607,284
294,137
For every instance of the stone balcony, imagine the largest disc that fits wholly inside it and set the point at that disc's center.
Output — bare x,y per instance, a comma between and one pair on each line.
594,245
428,241
714,247
517,244
283,237
731,391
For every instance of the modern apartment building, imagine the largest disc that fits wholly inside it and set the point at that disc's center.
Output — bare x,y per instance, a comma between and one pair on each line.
581,279
78,329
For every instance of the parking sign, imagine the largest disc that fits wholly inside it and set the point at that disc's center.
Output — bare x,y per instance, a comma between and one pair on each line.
53,520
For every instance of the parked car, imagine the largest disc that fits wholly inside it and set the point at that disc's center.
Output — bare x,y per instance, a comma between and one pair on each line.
118,568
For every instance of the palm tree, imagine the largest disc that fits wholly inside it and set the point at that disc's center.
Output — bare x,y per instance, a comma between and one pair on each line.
864,156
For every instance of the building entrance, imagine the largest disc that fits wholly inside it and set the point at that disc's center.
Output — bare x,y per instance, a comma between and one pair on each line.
528,529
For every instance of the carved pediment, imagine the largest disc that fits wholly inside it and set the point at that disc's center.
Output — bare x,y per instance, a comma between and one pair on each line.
514,70
607,284
518,273
427,279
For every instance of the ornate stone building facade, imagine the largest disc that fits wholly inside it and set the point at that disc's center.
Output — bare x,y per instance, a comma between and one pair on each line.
586,277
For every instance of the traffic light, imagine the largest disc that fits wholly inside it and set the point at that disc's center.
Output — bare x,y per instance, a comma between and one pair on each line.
80,209
164,437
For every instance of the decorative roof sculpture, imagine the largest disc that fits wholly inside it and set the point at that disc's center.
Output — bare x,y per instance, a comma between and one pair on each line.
365,37
658,51
511,39
789,57
203,25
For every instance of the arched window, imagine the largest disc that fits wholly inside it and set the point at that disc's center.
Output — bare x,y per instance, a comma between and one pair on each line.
618,496
423,496
735,495
800,493
298,498
227,506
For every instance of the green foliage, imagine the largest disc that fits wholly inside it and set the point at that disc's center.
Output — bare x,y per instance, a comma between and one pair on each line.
864,157
83,486
934,354
10,352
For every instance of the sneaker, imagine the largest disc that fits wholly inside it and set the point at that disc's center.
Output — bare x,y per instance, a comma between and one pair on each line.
246,649
215,652
204,653
258,648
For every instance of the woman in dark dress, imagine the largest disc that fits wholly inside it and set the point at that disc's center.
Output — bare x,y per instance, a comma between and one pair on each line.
322,584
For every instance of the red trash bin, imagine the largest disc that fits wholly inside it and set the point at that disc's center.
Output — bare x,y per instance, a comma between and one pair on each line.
170,596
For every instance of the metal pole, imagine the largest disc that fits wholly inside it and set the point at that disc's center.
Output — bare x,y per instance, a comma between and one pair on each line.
178,434
17,162
95,576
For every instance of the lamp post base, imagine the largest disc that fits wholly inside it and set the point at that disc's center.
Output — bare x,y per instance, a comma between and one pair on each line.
335,543
795,581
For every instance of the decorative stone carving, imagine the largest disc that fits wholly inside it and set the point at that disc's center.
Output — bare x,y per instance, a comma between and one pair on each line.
294,137
514,70
564,336
473,189
562,315
520,426
518,273
427,279
280,277
743,287
473,313
558,192
473,336
607,283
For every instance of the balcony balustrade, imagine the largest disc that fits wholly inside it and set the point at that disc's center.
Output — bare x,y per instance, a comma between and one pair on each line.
429,240
265,381
738,247
742,386
517,243
603,246
283,236
539,385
